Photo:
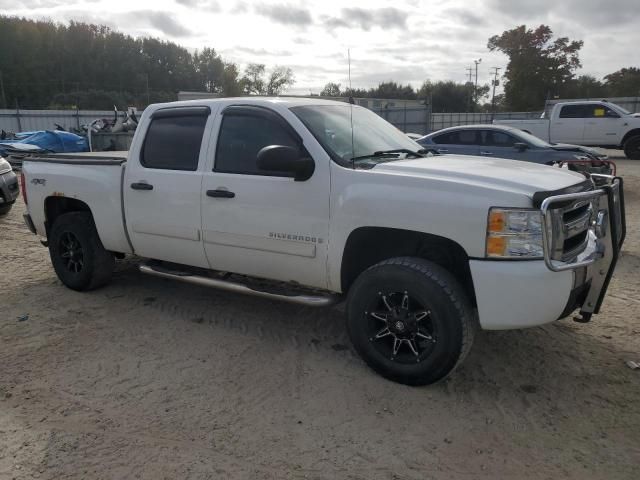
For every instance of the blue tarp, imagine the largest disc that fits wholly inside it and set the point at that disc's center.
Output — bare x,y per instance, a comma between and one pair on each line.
53,141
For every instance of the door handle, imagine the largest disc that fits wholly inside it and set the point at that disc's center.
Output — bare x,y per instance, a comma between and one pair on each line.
220,193
443,150
486,153
141,186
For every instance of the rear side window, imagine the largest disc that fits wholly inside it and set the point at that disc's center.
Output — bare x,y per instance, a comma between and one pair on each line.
242,136
574,111
445,138
173,141
458,137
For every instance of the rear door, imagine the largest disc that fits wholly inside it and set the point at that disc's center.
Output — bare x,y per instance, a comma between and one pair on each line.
570,124
162,186
603,126
461,142
260,223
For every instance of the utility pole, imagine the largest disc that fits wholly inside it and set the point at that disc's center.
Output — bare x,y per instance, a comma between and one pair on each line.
470,85
493,96
475,89
4,98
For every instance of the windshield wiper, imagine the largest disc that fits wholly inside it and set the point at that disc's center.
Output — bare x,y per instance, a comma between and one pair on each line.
387,153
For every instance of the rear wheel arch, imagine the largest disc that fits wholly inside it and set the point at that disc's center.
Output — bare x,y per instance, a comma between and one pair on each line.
55,206
367,246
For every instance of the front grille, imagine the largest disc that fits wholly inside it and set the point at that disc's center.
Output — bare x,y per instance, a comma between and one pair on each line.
573,243
570,227
575,214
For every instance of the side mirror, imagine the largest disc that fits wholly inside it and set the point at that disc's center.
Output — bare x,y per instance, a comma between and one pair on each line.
287,160
520,146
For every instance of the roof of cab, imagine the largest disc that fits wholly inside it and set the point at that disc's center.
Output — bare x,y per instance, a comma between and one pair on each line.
286,102
484,126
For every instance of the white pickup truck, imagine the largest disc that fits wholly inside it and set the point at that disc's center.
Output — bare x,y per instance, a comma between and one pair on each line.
593,123
313,201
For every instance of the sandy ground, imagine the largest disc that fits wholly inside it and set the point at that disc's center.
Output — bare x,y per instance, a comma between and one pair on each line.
152,379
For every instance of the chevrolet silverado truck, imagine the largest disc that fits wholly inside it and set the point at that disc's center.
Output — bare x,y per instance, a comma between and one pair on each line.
593,123
317,202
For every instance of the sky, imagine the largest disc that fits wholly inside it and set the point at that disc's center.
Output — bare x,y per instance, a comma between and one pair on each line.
407,41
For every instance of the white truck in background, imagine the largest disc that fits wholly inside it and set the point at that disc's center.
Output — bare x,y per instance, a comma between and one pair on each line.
314,202
592,123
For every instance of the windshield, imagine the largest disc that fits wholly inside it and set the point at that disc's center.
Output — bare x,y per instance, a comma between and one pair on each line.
623,110
331,125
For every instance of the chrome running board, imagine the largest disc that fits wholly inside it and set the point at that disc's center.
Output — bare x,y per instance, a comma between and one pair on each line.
310,300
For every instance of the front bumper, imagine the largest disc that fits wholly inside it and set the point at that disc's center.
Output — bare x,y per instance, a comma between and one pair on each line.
606,234
519,294
9,189
527,293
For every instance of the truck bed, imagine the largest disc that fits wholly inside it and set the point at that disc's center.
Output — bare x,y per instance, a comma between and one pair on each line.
86,158
93,178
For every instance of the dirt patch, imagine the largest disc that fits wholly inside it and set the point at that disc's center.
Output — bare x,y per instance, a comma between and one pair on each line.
152,379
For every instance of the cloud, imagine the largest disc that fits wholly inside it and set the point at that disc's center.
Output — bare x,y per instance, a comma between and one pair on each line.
210,5
33,4
164,22
384,18
466,16
239,7
261,51
585,12
285,14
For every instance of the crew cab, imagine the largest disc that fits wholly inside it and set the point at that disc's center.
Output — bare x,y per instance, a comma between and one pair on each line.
592,123
317,202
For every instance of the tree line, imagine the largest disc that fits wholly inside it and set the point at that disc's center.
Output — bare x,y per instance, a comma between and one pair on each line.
46,64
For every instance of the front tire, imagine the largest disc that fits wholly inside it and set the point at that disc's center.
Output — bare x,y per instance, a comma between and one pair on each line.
6,208
77,254
410,320
632,148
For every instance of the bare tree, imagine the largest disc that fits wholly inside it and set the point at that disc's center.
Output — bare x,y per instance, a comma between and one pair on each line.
279,80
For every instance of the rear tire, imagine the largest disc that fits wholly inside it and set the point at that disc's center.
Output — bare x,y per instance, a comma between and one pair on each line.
632,148
410,320
77,254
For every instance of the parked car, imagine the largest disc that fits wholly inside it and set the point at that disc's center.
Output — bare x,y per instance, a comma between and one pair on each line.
8,187
498,141
313,202
593,123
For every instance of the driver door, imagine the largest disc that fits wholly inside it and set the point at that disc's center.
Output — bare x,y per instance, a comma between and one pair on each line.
261,223
603,126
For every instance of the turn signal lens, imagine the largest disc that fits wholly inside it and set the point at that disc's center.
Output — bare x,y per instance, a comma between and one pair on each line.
496,221
496,246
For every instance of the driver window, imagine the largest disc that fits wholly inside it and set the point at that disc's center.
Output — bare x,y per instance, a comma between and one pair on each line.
242,137
498,139
602,111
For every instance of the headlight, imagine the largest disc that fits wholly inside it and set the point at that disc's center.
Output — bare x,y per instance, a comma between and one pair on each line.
4,166
514,234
